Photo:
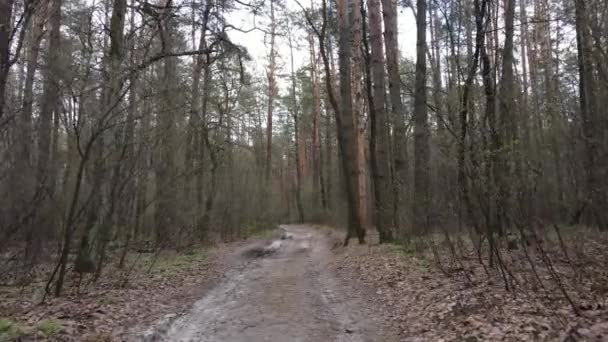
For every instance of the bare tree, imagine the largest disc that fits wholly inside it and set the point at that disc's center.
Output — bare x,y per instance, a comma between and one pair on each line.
396,113
421,127
382,179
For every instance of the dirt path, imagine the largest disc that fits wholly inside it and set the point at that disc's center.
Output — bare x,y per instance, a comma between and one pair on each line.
288,294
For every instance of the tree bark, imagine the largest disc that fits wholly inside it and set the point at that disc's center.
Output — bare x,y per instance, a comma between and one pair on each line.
23,176
49,97
345,125
316,113
508,121
589,110
166,169
525,115
195,152
45,174
6,13
298,143
421,128
363,190
328,158
396,113
270,73
383,203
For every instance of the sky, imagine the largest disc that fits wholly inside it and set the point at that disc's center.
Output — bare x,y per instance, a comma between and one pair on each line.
258,48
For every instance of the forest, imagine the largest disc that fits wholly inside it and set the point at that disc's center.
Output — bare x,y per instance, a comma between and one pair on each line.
135,129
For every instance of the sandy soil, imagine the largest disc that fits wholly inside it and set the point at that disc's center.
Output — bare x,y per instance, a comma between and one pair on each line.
284,290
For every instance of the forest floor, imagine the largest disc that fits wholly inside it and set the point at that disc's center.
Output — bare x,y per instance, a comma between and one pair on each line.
300,284
463,302
281,287
150,287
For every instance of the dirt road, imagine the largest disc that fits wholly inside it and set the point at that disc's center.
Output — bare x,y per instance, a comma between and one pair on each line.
285,292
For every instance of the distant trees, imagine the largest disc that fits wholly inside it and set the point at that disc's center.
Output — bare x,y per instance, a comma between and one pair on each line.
94,158
478,151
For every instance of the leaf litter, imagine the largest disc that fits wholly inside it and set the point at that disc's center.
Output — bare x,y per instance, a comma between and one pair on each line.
430,304
111,309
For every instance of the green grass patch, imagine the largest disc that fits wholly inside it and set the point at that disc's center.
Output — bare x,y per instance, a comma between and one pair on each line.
262,234
172,263
407,248
408,251
258,231
49,327
9,330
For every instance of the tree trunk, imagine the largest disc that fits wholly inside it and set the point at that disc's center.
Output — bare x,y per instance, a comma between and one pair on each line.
345,123
466,208
525,115
493,220
270,73
508,120
396,113
363,191
328,163
421,128
23,189
316,113
6,13
382,180
49,98
298,143
195,148
596,197
166,215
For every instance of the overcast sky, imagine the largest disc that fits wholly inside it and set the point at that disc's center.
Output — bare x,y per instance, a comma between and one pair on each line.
259,49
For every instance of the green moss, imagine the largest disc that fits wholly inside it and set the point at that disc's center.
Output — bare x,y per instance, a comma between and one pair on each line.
258,230
9,330
409,252
407,248
261,234
5,324
49,327
172,263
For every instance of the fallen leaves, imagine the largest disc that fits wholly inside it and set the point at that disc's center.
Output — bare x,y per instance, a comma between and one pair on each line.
108,310
430,305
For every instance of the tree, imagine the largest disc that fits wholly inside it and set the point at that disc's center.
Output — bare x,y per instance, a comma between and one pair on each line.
297,130
347,126
24,187
396,112
45,174
508,129
421,128
318,183
382,181
197,120
168,121
596,196
6,13
270,74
